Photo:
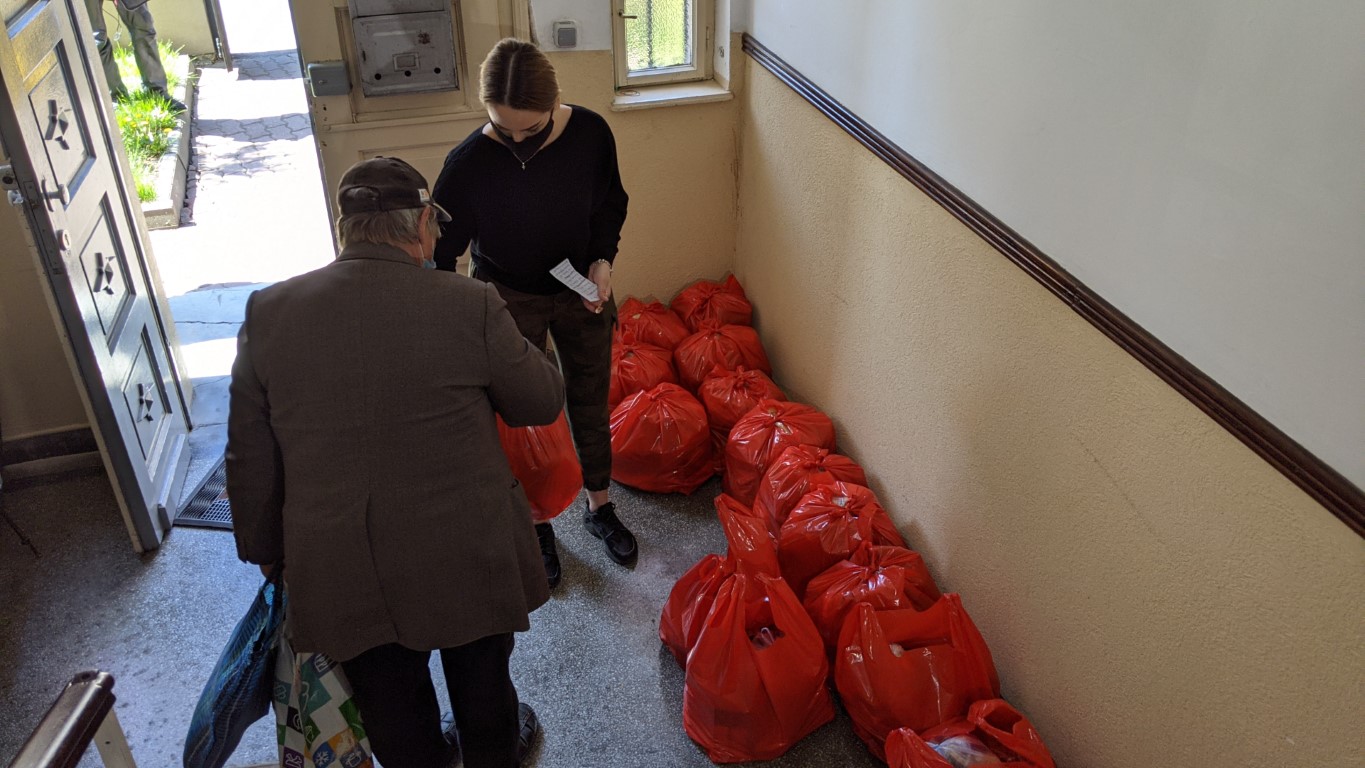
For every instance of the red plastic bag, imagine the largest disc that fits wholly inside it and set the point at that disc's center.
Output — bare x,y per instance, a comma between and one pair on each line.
689,603
728,395
724,346
543,460
719,303
827,526
752,541
993,722
762,435
797,470
752,549
755,681
651,322
636,367
660,441
913,669
883,577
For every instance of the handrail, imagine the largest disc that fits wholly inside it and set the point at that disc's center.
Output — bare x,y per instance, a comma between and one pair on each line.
83,712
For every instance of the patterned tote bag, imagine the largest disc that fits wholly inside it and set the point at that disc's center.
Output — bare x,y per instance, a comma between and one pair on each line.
316,719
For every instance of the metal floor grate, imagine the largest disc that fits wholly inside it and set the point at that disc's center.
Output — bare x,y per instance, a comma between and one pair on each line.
209,506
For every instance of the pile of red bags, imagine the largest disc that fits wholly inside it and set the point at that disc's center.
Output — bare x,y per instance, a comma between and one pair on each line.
719,346
755,680
751,548
814,570
652,323
728,395
755,669
828,525
713,303
761,436
992,732
637,366
880,576
543,460
798,469
660,441
911,669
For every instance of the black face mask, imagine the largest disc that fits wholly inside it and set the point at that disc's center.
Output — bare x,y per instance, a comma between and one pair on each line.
529,146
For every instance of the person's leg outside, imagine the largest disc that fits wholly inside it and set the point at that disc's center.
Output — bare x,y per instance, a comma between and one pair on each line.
532,314
484,701
105,47
143,32
393,690
583,342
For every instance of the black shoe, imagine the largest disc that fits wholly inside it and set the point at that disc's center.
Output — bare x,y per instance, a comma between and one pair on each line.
606,526
549,553
175,105
451,735
530,729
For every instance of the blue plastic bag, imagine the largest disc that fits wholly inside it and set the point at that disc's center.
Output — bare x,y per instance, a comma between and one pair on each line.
238,692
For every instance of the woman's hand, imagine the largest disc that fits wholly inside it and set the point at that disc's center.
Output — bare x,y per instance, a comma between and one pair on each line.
600,274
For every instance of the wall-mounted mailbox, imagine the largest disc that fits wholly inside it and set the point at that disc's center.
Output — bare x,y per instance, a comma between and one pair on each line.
404,46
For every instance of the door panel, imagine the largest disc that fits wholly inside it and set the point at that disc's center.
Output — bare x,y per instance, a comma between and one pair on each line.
105,269
72,174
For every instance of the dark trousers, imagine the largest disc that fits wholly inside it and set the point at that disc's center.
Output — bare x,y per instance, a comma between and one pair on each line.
583,343
143,33
397,702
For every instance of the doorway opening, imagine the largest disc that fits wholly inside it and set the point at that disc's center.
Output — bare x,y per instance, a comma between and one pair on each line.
255,212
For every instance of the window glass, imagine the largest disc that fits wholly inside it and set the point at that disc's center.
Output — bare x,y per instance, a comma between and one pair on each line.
660,35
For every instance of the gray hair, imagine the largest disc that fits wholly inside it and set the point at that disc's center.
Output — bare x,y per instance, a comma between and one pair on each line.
396,228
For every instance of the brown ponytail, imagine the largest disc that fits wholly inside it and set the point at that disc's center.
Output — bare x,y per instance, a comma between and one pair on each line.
516,74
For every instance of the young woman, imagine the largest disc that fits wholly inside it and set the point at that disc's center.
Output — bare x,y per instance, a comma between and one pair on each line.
539,184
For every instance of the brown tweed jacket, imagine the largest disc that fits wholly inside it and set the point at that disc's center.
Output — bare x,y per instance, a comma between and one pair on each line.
363,453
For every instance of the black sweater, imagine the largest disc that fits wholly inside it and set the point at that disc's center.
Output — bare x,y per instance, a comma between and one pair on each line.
568,203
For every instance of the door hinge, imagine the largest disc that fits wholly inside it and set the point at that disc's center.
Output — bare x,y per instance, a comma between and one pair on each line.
10,183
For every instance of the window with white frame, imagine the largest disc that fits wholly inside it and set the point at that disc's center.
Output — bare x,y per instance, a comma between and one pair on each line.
662,41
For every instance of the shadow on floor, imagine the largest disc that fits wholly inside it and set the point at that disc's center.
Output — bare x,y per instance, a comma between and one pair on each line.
592,663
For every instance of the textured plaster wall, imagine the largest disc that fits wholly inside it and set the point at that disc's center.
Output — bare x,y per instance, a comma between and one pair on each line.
37,389
1153,592
678,165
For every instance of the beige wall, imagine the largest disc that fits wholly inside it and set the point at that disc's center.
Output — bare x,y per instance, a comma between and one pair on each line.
1153,592
37,389
184,24
677,163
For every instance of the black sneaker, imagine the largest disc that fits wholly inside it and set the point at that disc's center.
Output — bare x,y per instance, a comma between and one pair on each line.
549,553
175,105
451,735
529,730
606,526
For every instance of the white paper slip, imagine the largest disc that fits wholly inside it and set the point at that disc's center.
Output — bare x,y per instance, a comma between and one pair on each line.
566,274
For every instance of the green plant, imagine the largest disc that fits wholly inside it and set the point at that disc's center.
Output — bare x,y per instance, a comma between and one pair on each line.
132,78
144,176
146,119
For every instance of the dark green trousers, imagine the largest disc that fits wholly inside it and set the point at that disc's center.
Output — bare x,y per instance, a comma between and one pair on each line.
582,341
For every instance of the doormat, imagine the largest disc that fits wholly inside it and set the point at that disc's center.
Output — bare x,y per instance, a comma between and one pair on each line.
209,506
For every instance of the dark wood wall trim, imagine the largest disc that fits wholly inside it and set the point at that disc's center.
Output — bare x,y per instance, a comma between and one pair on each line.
48,446
1310,473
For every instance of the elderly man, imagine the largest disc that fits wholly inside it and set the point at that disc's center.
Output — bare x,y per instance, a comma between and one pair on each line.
363,458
